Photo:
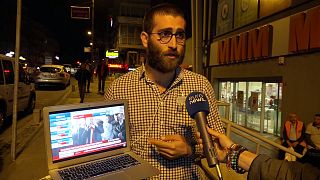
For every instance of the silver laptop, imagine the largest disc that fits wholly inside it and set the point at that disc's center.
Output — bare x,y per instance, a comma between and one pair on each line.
92,135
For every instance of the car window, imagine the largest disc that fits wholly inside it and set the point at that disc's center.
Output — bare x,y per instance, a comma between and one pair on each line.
8,71
50,69
1,74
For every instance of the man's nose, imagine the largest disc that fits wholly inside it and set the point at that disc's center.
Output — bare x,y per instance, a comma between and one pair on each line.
173,42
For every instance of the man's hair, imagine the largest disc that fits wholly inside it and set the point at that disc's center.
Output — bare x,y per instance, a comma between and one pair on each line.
160,9
318,115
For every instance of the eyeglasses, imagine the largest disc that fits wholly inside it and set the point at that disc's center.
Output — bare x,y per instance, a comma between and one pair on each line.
166,36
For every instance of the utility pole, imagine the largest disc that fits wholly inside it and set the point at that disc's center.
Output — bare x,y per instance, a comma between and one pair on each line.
93,33
16,81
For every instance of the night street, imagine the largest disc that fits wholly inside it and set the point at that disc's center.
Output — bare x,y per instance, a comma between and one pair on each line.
163,70
30,141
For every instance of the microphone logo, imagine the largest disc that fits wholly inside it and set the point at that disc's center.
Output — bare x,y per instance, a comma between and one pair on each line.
198,97
197,102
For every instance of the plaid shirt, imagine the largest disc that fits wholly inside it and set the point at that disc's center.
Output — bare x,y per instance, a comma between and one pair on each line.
153,114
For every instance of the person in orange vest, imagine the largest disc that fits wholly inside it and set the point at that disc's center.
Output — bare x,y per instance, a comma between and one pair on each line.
294,135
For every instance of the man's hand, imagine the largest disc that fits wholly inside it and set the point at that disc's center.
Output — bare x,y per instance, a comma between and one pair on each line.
223,143
172,146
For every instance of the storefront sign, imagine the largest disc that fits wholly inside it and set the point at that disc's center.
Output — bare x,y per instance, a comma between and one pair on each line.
112,54
304,31
254,44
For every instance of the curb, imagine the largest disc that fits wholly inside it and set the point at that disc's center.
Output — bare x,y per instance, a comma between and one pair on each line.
20,149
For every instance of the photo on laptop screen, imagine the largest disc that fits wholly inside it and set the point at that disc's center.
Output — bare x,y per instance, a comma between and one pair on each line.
81,132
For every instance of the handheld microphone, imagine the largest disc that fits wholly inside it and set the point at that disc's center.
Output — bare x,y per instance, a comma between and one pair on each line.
198,109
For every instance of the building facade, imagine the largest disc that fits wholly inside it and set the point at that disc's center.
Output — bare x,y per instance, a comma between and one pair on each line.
129,26
264,61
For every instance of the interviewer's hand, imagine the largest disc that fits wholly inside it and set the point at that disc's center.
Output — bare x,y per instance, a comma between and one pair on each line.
224,142
172,146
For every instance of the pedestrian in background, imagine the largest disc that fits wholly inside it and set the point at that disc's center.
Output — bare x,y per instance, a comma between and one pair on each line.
293,135
102,72
90,69
82,75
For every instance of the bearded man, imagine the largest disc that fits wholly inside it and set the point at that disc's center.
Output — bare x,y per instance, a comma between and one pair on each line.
161,130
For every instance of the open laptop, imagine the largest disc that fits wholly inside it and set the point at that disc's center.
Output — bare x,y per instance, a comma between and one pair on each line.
96,135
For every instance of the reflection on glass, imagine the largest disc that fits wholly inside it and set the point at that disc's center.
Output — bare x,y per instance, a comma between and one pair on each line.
252,103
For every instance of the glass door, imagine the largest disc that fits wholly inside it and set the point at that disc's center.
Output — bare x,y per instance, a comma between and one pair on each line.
240,107
254,105
272,118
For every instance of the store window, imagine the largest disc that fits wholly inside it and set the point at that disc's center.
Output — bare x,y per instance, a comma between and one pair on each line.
272,118
255,105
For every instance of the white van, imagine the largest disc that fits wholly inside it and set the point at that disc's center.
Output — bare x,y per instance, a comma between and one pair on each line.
26,91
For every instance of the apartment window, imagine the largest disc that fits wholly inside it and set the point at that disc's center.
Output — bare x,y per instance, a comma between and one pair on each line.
132,10
129,34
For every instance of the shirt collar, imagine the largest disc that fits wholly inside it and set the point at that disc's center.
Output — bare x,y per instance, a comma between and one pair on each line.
178,76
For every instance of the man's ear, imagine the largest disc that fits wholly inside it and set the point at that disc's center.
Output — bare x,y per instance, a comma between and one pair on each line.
144,39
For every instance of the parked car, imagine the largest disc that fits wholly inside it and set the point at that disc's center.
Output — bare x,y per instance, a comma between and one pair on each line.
52,75
26,91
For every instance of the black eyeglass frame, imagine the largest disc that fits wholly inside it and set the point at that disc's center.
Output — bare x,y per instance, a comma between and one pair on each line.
178,39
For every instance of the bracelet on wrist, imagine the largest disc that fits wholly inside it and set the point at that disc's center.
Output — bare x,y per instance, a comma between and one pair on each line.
232,158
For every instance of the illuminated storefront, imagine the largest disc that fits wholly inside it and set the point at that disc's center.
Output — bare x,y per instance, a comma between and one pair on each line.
255,105
267,66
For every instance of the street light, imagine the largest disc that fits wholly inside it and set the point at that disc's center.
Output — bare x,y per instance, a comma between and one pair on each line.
89,33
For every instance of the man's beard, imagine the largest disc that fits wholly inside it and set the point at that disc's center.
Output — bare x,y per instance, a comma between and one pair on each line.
158,60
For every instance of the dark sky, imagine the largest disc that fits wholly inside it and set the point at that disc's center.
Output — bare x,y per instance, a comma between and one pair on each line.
55,16
71,33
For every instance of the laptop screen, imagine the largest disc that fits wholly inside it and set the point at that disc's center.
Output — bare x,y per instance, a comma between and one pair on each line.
85,131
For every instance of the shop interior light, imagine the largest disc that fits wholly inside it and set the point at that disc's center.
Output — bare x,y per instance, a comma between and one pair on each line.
115,65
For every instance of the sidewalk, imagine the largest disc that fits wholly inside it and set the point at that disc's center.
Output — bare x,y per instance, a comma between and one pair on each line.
93,96
31,163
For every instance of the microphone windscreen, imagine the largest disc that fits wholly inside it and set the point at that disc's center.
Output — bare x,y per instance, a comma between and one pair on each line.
197,102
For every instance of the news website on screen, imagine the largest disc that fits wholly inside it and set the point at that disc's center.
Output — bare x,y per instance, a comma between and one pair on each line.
86,131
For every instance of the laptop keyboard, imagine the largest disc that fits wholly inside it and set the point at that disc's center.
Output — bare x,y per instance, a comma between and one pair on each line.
98,167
